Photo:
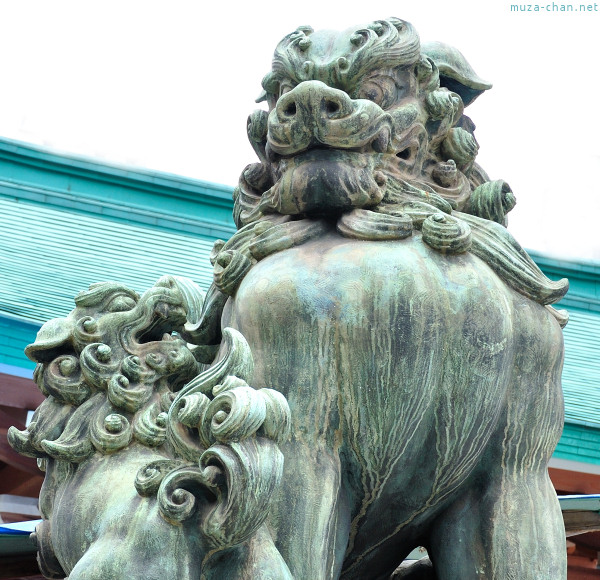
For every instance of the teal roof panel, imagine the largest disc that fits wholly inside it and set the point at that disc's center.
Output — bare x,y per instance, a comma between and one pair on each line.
581,374
579,443
118,193
47,256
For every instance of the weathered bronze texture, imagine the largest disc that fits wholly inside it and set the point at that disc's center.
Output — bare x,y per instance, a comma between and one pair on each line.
408,329
373,284
145,477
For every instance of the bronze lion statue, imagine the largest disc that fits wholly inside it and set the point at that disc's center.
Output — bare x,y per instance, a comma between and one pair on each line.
146,477
380,291
374,285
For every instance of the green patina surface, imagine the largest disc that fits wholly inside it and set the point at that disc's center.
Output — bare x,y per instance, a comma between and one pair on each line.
31,293
371,284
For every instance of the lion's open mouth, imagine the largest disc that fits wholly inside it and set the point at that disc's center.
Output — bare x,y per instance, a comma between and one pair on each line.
324,154
379,143
164,320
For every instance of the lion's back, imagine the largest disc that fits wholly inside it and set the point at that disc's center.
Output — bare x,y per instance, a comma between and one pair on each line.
392,352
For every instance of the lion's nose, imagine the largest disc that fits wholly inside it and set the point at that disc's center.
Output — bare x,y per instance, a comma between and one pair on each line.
313,100
314,114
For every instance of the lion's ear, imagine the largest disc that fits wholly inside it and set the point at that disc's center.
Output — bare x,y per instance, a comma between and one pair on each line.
229,492
261,97
456,74
50,340
250,472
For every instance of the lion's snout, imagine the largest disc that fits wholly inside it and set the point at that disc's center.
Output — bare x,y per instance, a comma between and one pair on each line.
317,99
314,114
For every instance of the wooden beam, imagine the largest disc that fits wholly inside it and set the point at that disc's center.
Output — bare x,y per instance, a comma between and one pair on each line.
19,392
18,482
574,482
19,566
580,522
9,456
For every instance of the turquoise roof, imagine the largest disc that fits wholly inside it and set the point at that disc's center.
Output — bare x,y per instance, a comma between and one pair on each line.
579,443
158,200
581,374
47,256
68,222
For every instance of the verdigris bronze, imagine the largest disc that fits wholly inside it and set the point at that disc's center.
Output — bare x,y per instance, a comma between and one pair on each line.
374,285
145,477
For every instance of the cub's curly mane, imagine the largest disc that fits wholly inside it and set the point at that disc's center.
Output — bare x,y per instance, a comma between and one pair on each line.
121,383
105,387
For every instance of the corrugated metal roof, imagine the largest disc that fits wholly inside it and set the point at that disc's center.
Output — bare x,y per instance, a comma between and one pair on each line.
579,443
581,374
47,256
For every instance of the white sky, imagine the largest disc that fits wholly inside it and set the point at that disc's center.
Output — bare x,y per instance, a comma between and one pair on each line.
169,85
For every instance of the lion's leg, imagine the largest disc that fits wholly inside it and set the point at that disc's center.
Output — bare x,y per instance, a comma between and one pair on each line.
255,559
312,520
508,525
511,530
116,558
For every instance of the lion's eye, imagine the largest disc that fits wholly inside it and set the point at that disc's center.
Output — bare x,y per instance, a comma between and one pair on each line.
382,90
120,303
373,92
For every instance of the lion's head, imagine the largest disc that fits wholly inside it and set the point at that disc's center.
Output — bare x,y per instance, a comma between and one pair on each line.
366,118
109,370
366,134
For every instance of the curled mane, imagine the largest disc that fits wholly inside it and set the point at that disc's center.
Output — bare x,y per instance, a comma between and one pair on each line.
105,386
430,186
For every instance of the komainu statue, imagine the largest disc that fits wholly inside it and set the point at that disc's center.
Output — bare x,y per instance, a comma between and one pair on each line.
145,477
372,285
